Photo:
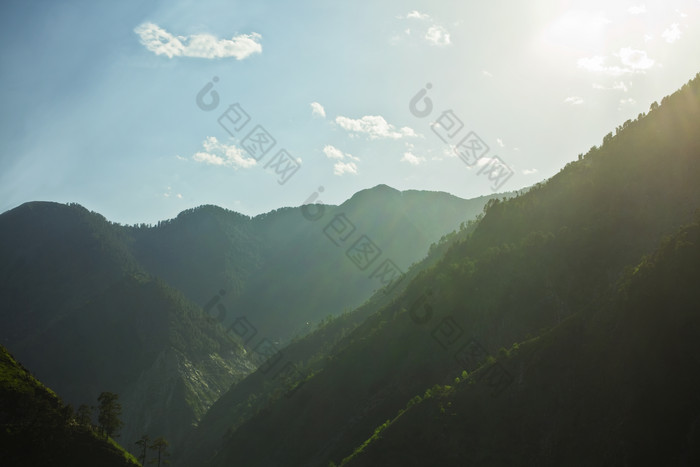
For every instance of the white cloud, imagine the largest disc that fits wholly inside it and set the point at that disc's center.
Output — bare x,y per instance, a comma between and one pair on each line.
618,85
161,42
648,37
318,110
217,153
633,61
449,151
374,126
179,196
415,14
207,158
596,64
500,142
529,171
637,9
332,152
487,74
437,35
412,158
484,161
573,100
180,158
340,168
628,101
672,33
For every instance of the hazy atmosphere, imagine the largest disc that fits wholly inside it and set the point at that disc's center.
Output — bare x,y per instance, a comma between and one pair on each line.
99,98
349,234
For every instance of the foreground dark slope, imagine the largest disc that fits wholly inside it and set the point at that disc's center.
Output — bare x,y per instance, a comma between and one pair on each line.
617,388
37,429
531,263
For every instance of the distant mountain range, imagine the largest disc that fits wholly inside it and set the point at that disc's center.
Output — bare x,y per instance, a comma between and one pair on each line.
94,306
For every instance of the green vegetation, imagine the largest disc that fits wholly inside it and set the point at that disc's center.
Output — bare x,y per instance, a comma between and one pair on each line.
531,267
582,292
109,412
617,386
37,428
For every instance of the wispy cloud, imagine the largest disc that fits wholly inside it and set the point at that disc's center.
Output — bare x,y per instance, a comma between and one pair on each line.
217,153
672,33
618,86
341,167
435,34
573,100
161,42
635,59
332,152
637,9
374,126
317,110
412,158
500,142
169,193
415,14
529,171
631,61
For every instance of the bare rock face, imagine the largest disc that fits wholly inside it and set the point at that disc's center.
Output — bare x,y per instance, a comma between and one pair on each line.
175,392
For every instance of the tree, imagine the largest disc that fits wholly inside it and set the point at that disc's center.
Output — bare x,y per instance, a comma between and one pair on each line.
84,415
109,411
66,413
160,445
143,443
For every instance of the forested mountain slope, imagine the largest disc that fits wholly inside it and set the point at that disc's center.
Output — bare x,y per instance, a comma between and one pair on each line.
532,262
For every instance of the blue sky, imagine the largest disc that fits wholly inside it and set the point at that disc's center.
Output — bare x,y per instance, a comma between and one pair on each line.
100,99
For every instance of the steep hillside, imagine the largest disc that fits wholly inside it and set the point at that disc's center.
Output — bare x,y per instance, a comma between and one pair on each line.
301,359
618,388
37,429
79,311
531,263
91,305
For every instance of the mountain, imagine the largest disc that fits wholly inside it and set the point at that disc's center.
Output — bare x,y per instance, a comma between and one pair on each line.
266,264
529,268
78,309
619,388
94,306
37,428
